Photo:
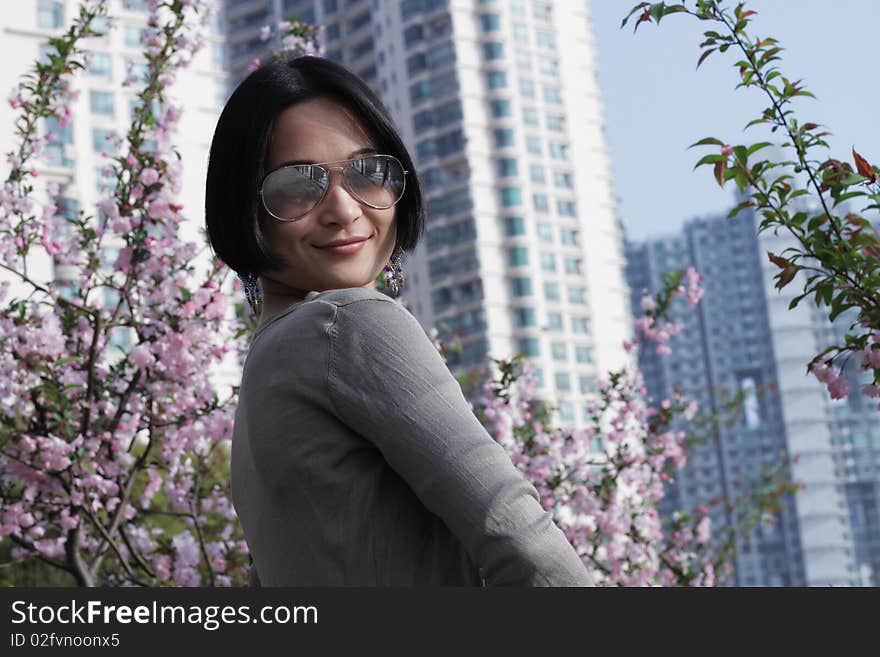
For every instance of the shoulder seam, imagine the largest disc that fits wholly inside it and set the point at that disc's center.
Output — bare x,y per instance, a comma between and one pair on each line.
342,304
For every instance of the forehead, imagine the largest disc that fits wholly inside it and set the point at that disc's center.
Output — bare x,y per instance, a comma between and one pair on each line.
317,130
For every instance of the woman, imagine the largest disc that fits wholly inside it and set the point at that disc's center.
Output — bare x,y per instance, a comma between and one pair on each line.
356,459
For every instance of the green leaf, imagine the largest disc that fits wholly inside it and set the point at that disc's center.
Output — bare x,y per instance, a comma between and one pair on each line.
656,11
796,301
739,208
754,148
843,197
741,154
708,141
712,158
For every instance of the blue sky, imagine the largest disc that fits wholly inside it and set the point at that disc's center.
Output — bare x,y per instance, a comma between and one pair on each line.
656,103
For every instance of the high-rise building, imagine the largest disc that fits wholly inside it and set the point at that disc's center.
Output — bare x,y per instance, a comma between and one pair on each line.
742,337
499,105
104,108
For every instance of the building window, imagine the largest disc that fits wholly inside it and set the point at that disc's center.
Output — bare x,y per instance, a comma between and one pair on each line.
500,108
529,347
563,179
566,411
558,151
583,355
55,150
496,79
521,287
573,266
330,6
562,381
536,173
50,14
545,232
548,65
413,34
493,50
540,203
102,141
530,115
551,291
526,88
533,145
101,25
503,137
555,123
101,102
587,385
490,22
514,226
554,321
568,236
101,65
511,196
552,95
545,39
521,33
133,36
559,350
566,208
518,256
524,317
579,325
523,61
548,261
576,295
105,180
541,11
507,167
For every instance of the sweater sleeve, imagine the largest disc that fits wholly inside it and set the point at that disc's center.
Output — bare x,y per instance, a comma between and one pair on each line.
388,382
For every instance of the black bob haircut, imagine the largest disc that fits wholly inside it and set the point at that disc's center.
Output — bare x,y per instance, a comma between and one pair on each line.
236,165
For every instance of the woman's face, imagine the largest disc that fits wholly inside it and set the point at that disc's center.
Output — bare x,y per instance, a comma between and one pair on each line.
322,130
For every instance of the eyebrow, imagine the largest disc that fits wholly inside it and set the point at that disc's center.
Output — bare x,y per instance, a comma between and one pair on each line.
360,151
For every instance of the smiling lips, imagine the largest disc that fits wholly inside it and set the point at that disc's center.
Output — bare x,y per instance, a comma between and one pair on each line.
346,247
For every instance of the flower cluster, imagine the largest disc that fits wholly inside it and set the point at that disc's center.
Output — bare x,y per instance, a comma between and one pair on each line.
112,435
295,38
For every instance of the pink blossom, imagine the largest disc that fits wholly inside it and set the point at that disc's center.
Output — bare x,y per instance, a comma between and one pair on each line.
703,529
839,387
149,176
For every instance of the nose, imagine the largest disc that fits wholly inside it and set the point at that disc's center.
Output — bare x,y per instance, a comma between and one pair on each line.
338,205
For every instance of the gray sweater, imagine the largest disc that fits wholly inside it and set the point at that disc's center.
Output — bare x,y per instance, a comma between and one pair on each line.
356,461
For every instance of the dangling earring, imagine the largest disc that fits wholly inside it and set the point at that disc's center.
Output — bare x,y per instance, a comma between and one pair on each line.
252,291
393,271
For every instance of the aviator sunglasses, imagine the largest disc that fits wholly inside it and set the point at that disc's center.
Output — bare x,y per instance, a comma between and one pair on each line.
291,192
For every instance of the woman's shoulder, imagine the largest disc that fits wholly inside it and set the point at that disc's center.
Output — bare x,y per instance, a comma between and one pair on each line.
322,308
347,295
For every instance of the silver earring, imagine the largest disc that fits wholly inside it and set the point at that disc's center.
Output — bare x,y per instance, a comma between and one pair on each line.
252,291
393,271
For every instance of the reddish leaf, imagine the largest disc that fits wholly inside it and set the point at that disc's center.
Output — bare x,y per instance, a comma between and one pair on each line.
862,166
705,54
779,261
720,168
810,126
750,12
644,18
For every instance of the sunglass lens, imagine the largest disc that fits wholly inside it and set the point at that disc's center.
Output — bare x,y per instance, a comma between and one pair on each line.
376,179
293,191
